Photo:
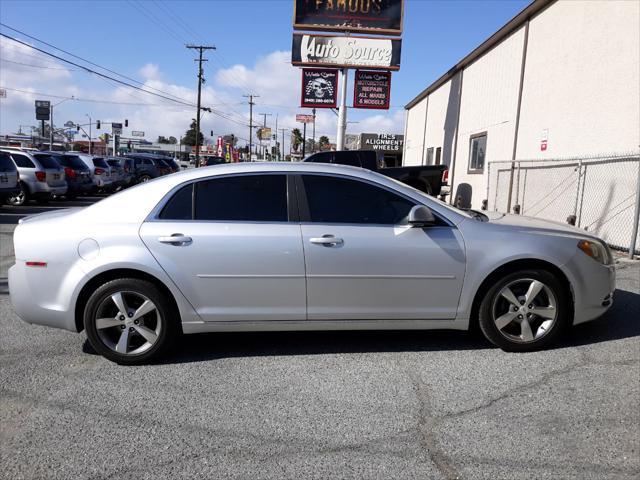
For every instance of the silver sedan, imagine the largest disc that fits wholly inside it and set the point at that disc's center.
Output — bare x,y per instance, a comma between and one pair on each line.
257,247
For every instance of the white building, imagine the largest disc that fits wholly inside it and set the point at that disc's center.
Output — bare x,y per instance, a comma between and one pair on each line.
560,80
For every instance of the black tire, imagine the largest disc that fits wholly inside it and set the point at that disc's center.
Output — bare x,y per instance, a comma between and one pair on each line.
144,178
131,288
542,337
22,198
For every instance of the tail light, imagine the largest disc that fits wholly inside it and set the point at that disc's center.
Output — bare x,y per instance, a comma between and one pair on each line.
445,176
41,176
69,172
99,171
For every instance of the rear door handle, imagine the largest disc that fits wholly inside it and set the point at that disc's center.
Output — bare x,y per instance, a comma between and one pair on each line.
176,239
328,240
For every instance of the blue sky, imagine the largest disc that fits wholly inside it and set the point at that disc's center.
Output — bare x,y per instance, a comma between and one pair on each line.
144,39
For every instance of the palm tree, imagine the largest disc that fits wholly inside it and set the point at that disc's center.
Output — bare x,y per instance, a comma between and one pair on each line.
296,139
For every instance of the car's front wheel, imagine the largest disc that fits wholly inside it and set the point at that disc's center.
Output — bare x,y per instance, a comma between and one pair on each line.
130,321
525,311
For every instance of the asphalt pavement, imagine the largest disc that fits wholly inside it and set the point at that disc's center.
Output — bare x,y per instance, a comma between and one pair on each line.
387,405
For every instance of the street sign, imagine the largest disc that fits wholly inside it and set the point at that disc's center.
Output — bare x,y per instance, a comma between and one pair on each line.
137,133
42,109
319,88
302,118
116,128
371,16
372,90
346,52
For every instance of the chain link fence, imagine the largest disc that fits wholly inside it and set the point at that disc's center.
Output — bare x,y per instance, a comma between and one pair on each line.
598,194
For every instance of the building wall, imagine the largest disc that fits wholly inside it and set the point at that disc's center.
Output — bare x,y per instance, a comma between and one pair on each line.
489,104
582,80
442,118
414,134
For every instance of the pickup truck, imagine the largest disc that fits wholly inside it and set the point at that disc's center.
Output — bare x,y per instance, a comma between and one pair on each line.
429,179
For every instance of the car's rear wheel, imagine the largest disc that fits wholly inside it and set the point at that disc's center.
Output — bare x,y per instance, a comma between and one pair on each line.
130,321
525,311
144,178
21,198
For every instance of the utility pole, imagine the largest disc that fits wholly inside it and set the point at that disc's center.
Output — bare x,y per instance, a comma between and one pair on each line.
342,112
200,48
90,140
250,96
282,146
264,125
313,150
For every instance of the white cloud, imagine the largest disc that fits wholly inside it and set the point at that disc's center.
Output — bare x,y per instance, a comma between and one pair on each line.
150,71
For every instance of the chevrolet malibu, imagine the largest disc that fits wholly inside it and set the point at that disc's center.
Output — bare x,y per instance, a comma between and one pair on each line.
266,247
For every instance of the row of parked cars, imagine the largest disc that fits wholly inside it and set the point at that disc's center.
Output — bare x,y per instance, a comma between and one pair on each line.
27,174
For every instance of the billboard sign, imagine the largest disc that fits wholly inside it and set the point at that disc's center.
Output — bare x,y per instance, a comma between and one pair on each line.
383,142
369,16
137,133
372,90
302,118
319,88
345,52
116,128
42,109
264,133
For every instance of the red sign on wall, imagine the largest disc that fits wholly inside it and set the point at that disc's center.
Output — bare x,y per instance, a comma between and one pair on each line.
372,90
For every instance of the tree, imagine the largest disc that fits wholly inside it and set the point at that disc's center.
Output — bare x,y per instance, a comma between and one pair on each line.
162,139
189,137
323,142
296,139
173,140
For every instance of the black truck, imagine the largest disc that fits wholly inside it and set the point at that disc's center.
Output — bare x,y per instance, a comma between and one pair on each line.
429,179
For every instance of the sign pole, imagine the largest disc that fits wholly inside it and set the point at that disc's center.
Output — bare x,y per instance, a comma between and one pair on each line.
342,112
304,139
50,127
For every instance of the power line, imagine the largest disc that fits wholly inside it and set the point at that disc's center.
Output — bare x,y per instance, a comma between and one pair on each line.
74,56
38,66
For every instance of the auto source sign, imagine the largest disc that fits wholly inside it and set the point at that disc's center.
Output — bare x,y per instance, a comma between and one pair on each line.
345,52
373,16
372,90
319,88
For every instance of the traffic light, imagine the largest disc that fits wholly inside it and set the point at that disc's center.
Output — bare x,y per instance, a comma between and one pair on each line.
98,124
126,122
77,128
212,133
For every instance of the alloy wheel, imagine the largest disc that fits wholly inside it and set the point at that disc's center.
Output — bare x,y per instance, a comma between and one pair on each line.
128,322
525,310
18,199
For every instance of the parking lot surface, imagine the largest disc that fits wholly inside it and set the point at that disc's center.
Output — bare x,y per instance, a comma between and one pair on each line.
326,405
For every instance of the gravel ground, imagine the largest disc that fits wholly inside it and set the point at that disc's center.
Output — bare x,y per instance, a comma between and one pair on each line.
326,405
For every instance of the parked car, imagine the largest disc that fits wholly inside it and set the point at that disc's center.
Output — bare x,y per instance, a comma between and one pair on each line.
430,179
175,167
128,168
118,175
41,177
100,172
145,169
160,161
275,246
210,160
77,174
9,178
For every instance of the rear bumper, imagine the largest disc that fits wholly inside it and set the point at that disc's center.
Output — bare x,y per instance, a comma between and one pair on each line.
73,187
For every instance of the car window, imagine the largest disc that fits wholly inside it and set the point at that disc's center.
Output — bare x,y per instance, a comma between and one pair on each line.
6,165
180,206
324,157
252,198
146,161
73,161
113,163
47,161
22,161
348,158
341,200
100,162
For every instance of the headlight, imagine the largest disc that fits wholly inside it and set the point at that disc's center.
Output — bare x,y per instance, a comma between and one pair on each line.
596,250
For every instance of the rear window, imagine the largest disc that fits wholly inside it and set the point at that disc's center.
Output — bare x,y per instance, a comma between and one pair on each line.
161,163
74,162
113,163
6,165
100,162
47,161
22,161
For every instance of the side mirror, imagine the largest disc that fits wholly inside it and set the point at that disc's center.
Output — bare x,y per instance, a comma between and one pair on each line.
421,216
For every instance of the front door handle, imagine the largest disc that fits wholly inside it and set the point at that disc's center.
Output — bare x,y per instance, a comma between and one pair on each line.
176,239
328,240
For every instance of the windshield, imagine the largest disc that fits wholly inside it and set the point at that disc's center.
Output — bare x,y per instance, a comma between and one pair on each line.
47,161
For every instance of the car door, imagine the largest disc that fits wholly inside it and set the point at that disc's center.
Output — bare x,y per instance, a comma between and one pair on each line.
232,247
364,262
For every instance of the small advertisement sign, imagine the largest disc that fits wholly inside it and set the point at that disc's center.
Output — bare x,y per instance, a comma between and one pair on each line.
137,133
302,118
116,128
264,133
372,16
42,109
346,52
319,88
372,90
